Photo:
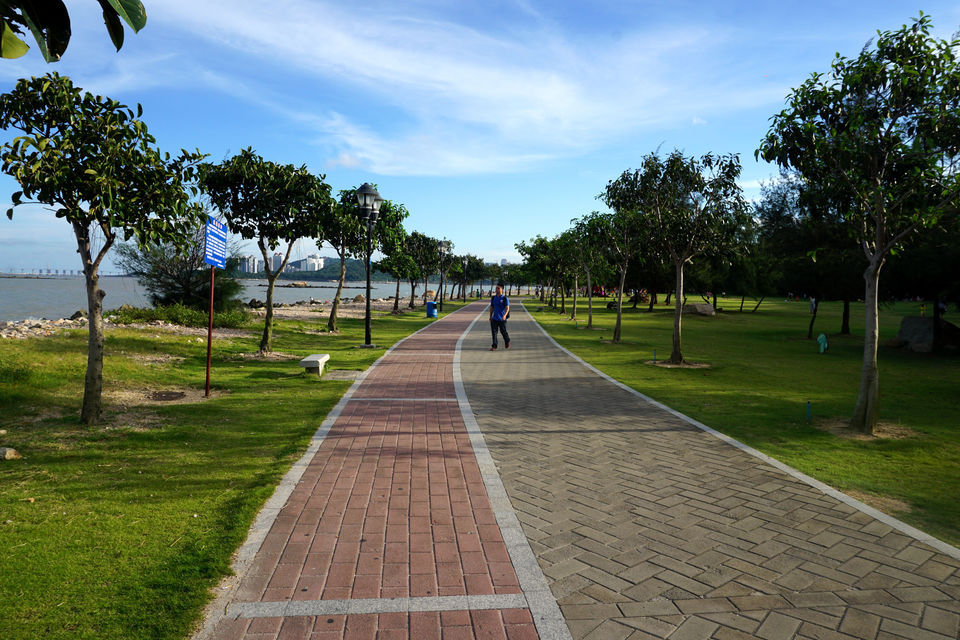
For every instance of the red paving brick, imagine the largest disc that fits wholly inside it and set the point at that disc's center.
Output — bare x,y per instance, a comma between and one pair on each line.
392,505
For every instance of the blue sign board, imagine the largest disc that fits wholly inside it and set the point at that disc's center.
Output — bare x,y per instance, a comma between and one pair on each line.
215,252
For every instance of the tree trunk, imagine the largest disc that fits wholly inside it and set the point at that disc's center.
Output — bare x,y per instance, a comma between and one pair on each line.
653,301
267,336
616,328
667,301
845,322
563,297
742,299
413,294
543,294
92,405
868,399
271,280
759,302
573,313
589,301
813,317
396,298
335,308
714,301
676,355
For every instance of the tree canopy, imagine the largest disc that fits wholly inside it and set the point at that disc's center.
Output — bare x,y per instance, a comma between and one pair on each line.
93,160
881,134
271,203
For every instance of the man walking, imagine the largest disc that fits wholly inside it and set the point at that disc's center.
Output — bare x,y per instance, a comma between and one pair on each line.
499,311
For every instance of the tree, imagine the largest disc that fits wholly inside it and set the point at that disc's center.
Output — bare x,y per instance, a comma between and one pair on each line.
590,238
426,256
476,270
881,132
390,240
93,159
271,203
178,274
692,207
624,232
342,229
49,22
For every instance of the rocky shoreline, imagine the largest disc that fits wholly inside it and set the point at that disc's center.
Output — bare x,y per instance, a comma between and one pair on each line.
304,309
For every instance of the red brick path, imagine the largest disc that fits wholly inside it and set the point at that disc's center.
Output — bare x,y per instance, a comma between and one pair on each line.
391,506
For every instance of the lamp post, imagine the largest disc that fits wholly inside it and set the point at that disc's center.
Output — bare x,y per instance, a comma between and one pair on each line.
444,246
463,289
370,202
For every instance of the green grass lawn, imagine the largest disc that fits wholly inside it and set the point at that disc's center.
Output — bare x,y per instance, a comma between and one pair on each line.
119,531
762,373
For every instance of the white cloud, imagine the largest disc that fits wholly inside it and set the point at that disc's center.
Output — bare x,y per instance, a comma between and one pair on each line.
468,100
698,121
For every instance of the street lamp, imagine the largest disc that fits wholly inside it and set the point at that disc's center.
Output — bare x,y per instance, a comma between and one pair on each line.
370,202
444,248
463,289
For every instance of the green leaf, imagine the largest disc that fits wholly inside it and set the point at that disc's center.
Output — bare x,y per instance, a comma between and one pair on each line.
10,45
10,214
114,26
50,24
131,11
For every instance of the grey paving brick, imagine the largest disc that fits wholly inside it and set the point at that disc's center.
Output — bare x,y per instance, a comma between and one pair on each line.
645,525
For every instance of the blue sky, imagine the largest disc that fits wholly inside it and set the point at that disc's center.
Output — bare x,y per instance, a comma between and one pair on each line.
492,122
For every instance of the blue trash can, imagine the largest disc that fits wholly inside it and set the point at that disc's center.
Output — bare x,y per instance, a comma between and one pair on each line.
431,309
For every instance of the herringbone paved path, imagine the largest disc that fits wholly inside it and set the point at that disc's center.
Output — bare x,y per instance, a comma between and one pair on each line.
648,527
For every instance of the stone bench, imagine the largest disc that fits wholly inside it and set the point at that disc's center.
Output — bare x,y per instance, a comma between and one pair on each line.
314,363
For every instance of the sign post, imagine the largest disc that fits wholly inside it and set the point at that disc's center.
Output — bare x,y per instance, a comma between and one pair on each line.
214,254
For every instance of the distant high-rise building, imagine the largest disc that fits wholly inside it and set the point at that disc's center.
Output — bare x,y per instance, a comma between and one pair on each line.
250,264
313,262
276,261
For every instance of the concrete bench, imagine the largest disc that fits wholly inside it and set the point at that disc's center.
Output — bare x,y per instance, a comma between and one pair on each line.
314,363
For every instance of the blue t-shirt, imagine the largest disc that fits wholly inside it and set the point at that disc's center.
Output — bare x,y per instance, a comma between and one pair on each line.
499,304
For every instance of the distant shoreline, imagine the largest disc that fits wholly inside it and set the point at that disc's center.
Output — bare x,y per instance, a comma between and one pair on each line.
56,276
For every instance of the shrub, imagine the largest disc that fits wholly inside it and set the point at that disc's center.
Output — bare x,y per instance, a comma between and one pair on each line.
182,315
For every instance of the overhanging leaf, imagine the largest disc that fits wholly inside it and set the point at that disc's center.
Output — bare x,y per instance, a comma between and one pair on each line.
50,24
131,11
10,45
114,27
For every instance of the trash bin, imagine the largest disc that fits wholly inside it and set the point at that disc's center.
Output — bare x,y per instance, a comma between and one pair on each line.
431,309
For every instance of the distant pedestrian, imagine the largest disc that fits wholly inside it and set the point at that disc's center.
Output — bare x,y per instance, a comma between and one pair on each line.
499,312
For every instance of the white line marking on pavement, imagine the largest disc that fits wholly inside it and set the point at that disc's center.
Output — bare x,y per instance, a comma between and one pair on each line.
357,606
540,600
888,520
403,400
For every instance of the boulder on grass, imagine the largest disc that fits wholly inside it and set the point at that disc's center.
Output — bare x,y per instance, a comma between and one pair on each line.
6,453
916,334
700,309
359,298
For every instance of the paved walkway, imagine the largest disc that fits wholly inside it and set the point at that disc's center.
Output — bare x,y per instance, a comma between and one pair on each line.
398,523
